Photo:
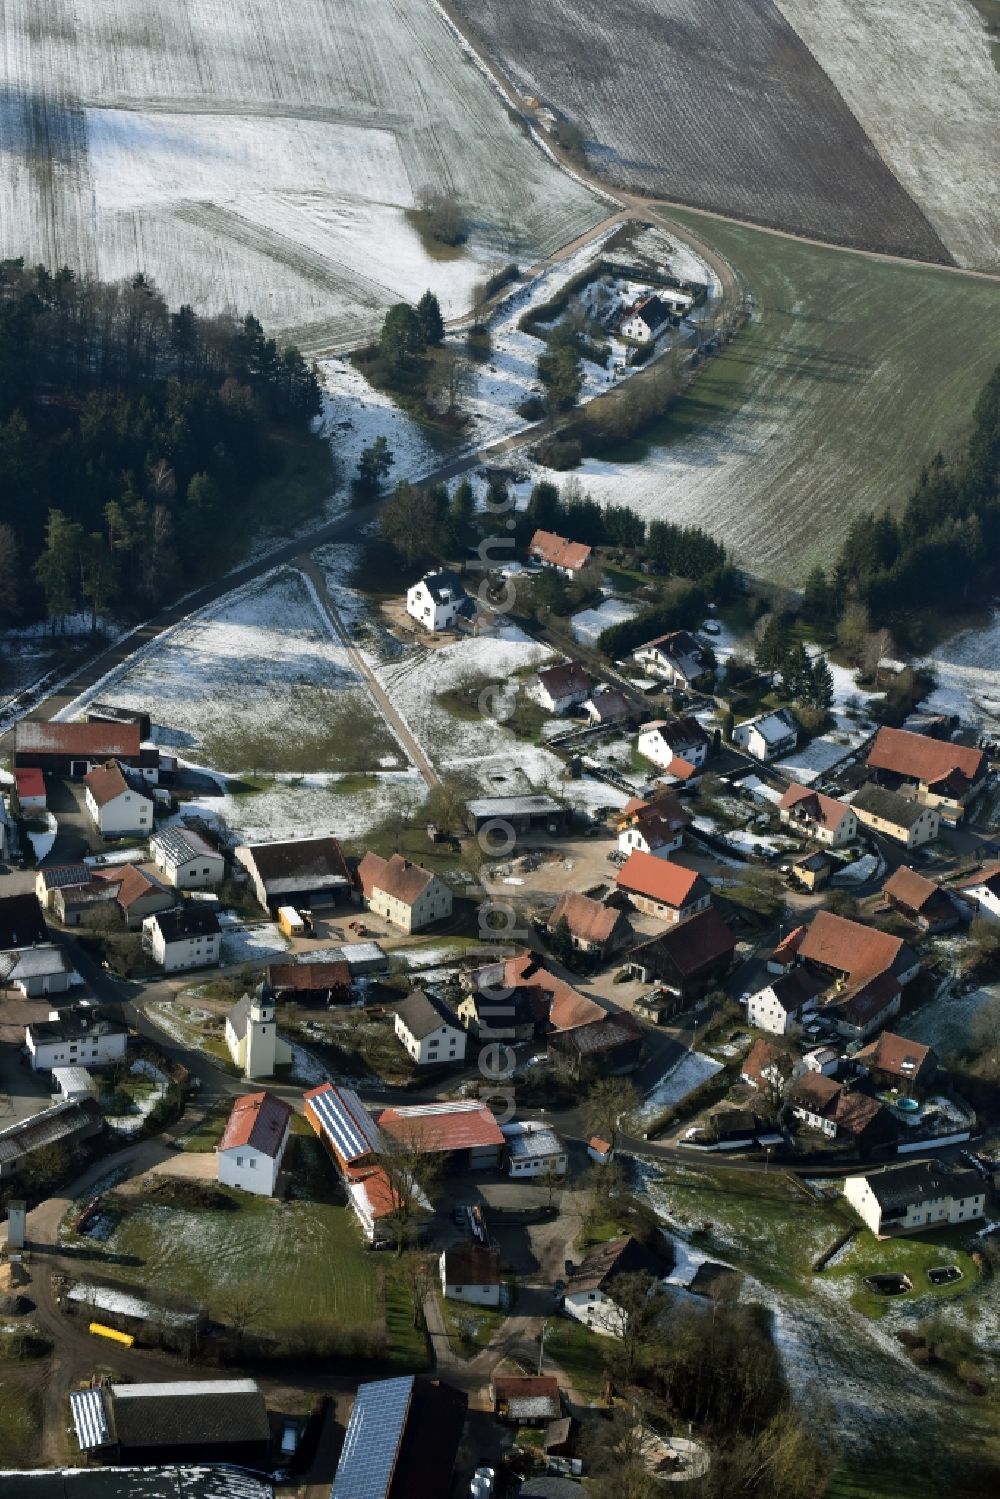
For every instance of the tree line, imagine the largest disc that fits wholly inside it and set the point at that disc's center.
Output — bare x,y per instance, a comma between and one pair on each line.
941,555
129,435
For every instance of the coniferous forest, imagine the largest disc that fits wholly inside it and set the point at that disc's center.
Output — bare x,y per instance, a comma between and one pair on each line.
130,436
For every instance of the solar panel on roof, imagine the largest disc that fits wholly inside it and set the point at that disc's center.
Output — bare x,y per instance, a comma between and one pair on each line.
89,1419
374,1434
346,1120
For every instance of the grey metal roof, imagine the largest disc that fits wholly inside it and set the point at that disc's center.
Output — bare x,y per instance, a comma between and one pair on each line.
518,806
90,1419
183,844
523,1142
920,1181
351,1128
374,1435
206,1481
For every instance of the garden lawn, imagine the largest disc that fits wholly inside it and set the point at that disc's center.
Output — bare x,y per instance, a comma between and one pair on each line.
21,1427
867,1255
853,373
579,1354
303,1261
470,1328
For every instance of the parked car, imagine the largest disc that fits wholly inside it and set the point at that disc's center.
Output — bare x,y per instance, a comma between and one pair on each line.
483,1484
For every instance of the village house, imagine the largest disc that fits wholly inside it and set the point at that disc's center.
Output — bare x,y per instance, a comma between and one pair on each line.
566,557
941,774
646,320
921,900
429,1031
438,600
676,658
607,705
328,983
768,736
763,1067
60,877
118,808
901,818
812,871
662,889
824,818
784,1003
593,926
186,860
405,894
560,688
74,749
557,1006
29,791
186,936
253,1144
865,970
80,1036
916,1195
71,904
839,1112
665,741
526,1399
686,960
983,891
896,1062
470,1272
516,1015
402,1440
252,1035
140,894
533,1149
591,1285
658,829
29,961
305,872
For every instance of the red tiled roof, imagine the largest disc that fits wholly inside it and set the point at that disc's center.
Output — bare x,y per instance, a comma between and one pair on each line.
383,1199
910,888
919,758
787,949
567,1006
29,782
660,880
815,1092
396,877
587,919
854,1112
94,741
601,1146
435,1127
105,783
558,551
135,883
863,1003
758,1059
510,1386
471,1264
309,976
860,952
258,1120
896,1054
681,769
826,810
989,875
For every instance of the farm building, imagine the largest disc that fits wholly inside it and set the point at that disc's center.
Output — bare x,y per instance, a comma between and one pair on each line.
533,1149
60,877
74,749
253,1144
901,818
662,889
186,936
345,1126
590,1291
141,894
521,814
593,926
566,557
528,1399
611,1044
942,774
305,872
438,601
687,959
63,1124
402,1440
403,892
465,1131
252,1035
211,1420
186,860
471,1272
922,901
310,983
646,320
785,1002
71,903
29,789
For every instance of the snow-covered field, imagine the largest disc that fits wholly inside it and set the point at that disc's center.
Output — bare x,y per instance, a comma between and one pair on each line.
967,668
586,627
688,1073
885,54
255,682
273,177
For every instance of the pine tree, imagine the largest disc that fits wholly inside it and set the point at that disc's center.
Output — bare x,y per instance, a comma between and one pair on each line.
797,673
816,599
402,336
431,321
821,690
374,464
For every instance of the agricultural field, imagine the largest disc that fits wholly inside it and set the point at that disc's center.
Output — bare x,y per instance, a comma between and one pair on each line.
148,139
257,682
885,55
719,107
840,1351
852,373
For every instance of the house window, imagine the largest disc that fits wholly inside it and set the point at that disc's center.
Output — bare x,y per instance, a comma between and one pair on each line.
239,1160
